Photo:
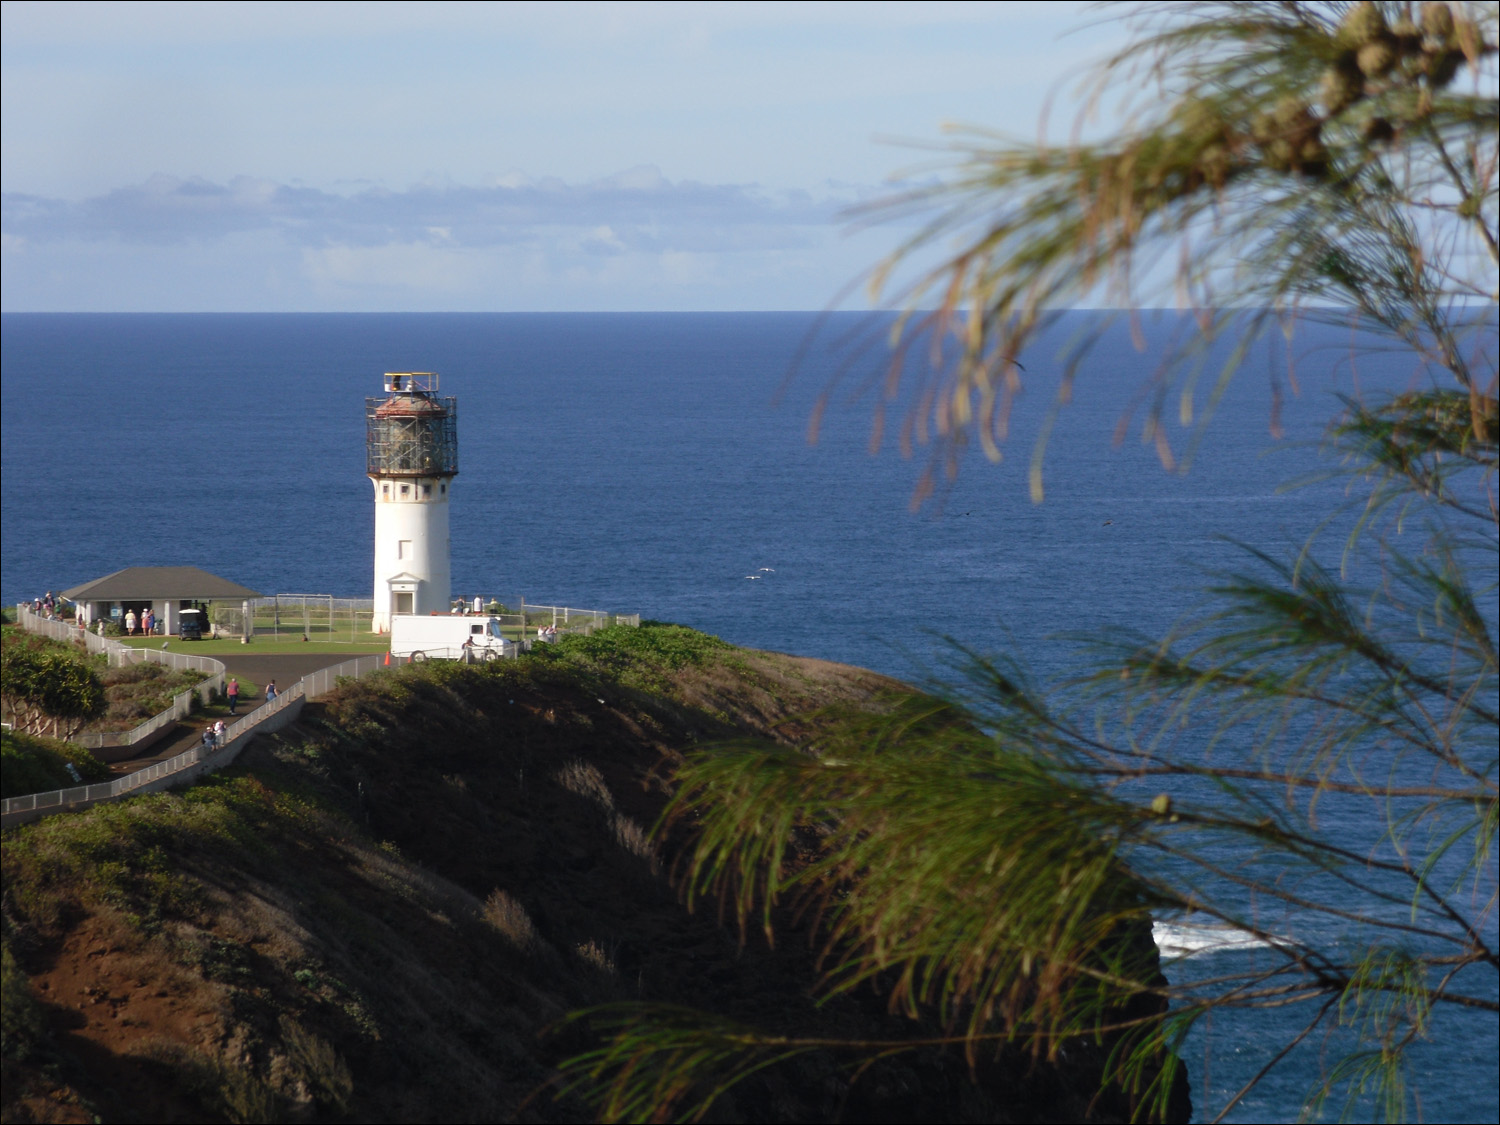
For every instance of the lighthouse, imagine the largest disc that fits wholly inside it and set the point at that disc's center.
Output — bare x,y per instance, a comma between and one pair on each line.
411,457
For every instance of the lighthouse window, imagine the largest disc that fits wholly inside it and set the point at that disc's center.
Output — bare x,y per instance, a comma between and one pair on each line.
403,548
443,489
385,490
427,492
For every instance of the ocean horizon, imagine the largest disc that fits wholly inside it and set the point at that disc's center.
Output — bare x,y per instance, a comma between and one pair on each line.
652,463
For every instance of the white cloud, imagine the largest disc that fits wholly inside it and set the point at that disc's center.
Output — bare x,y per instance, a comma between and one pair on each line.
634,240
399,267
635,209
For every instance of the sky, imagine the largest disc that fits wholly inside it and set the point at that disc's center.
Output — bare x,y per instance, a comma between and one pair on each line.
329,157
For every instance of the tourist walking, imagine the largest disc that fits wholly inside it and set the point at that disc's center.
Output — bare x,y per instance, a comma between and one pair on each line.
270,691
220,734
233,694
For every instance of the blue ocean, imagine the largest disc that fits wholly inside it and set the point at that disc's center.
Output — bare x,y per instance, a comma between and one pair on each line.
660,464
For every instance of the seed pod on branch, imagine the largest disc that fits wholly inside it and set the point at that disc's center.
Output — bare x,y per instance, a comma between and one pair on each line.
1343,84
1377,58
1437,20
1363,24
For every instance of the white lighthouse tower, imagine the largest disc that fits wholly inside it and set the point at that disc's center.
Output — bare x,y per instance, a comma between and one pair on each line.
411,455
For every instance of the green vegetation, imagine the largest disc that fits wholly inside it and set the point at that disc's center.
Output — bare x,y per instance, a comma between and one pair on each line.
21,1027
131,694
379,913
137,692
47,687
37,765
987,862
1277,162
643,657
126,854
139,864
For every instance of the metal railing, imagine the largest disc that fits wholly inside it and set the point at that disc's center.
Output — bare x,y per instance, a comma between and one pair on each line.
472,654
564,619
312,686
121,786
324,680
121,656
319,617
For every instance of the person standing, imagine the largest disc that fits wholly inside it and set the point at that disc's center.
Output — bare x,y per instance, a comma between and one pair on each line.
148,621
130,622
233,694
270,691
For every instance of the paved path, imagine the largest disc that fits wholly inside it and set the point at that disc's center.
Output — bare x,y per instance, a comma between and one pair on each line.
285,668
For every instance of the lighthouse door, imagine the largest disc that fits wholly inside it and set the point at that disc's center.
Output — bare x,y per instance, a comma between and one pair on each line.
404,594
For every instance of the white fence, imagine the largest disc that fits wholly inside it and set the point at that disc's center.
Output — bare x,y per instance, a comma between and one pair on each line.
319,617
200,760
121,655
267,717
317,684
564,619
158,775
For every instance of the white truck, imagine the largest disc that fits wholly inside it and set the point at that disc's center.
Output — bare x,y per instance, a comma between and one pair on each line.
471,639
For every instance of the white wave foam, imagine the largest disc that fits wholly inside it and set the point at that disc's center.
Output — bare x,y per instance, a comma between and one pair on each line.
1189,939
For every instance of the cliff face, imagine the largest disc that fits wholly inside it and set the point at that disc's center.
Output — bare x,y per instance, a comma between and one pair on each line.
380,913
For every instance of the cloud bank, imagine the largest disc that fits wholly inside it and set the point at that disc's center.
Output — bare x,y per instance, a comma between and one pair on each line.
278,245
641,210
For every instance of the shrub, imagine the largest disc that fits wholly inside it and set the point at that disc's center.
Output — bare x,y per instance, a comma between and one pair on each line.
29,764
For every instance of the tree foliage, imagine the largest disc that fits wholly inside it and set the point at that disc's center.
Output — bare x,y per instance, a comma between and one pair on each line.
49,692
1287,159
1310,762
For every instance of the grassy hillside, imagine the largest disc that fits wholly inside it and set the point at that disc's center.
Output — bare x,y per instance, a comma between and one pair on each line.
29,764
379,913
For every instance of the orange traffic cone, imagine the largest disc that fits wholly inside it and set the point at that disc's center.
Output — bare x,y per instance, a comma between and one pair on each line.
387,660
